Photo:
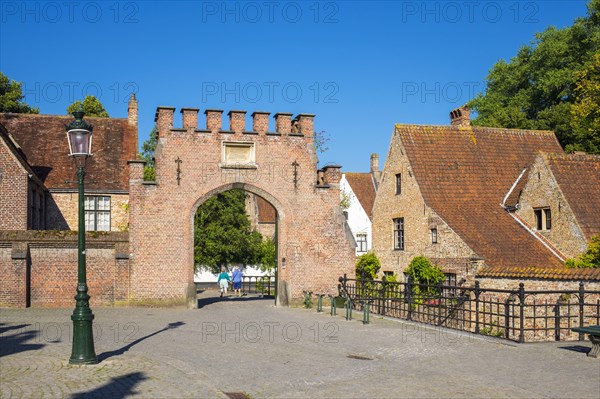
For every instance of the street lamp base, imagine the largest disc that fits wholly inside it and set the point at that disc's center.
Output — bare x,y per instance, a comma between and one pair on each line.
83,337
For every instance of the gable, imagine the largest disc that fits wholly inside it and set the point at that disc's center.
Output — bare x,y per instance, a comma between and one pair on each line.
464,173
364,190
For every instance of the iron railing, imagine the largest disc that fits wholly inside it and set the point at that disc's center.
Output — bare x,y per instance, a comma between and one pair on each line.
263,285
520,315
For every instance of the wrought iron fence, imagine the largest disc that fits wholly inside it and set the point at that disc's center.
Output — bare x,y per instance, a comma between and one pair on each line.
520,315
263,285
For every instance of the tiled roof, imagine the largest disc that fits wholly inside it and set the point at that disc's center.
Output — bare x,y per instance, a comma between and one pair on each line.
363,188
540,272
266,211
464,174
578,176
43,139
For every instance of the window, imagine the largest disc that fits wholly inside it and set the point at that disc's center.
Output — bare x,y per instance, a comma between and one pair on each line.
434,236
97,213
399,184
361,242
399,234
543,218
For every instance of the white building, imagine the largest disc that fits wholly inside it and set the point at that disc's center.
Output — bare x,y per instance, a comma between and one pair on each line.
357,192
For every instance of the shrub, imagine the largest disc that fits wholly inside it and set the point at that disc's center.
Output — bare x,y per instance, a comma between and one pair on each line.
370,264
588,260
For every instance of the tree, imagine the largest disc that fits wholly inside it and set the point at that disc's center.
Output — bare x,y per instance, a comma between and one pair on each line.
11,97
539,87
90,105
147,155
267,255
585,113
223,234
369,264
588,260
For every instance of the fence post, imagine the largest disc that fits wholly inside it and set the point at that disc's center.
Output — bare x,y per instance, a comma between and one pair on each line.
332,305
382,307
365,311
522,313
507,317
408,296
320,303
477,292
440,318
581,308
348,308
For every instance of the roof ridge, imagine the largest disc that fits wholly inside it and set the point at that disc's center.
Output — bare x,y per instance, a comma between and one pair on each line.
475,128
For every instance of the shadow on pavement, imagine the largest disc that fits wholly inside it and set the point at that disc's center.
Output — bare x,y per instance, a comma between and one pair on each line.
105,355
116,388
15,343
202,302
577,348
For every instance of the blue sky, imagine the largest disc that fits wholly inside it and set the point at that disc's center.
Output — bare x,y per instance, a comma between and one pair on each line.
359,66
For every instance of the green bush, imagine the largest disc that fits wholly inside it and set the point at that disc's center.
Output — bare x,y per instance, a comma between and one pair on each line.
423,272
370,264
588,260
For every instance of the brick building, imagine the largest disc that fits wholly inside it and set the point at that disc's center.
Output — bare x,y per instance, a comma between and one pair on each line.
22,193
359,190
279,165
445,194
41,143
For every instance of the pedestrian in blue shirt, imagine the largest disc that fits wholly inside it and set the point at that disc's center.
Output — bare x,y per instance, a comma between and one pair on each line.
237,280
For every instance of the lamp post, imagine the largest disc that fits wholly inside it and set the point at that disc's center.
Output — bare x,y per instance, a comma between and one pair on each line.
79,134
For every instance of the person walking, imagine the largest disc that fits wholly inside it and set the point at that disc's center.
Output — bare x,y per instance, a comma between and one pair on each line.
237,281
223,281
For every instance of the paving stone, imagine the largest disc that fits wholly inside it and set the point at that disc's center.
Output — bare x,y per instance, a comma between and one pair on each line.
248,345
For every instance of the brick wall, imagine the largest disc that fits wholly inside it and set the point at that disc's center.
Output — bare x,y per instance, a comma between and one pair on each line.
13,191
451,252
39,268
62,211
542,190
311,226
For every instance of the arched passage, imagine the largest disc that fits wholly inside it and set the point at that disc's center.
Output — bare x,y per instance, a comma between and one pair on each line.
249,188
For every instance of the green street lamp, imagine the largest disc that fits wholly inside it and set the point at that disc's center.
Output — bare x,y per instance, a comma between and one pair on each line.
79,134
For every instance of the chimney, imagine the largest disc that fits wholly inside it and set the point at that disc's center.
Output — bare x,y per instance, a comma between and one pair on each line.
213,119
460,116
283,123
375,173
306,124
164,118
189,118
237,121
260,121
132,110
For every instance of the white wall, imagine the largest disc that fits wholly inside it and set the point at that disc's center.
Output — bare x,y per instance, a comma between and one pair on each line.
205,276
358,220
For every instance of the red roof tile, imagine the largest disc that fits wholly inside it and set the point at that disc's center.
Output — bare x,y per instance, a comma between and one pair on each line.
578,176
363,188
43,140
464,174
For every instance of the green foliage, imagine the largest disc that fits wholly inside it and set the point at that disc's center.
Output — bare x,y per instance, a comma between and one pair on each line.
588,260
307,300
223,234
345,199
423,272
492,330
148,149
393,278
543,86
267,255
11,97
90,105
370,264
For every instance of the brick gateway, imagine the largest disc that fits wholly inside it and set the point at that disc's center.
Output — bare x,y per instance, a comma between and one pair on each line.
194,164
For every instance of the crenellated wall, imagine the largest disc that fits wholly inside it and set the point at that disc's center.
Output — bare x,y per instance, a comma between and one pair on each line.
278,164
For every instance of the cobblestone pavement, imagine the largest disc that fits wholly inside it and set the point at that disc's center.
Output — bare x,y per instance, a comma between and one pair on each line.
248,345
